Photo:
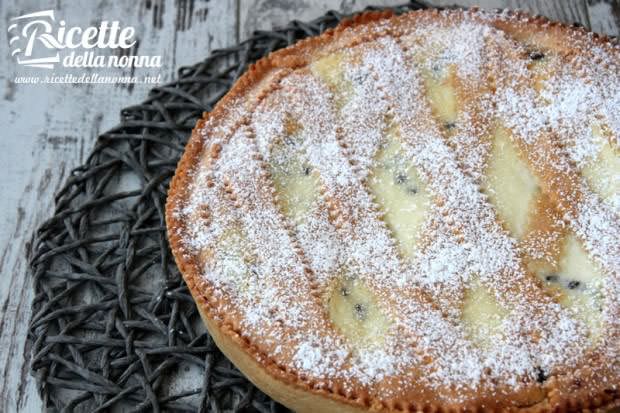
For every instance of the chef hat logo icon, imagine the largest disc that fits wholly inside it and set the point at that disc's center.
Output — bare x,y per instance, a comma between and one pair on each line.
31,41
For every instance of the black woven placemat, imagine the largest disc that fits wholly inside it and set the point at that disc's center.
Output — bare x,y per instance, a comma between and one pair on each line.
114,327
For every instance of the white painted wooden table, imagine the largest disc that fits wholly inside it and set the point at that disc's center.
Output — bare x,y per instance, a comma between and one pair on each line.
49,129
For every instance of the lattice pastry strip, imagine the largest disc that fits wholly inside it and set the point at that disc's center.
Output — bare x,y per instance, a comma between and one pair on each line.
475,298
585,119
517,182
438,161
372,142
397,214
358,278
397,189
383,59
507,283
459,97
391,179
458,105
250,189
566,268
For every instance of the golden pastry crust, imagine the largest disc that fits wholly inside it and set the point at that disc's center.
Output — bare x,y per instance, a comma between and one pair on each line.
570,388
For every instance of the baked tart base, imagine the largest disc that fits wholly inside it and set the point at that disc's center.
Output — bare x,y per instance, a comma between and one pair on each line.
413,213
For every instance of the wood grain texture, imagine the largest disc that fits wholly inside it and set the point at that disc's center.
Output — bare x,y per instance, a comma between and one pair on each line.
266,14
568,11
50,129
604,16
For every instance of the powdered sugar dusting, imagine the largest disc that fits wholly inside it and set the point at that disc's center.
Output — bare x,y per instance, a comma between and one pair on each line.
273,275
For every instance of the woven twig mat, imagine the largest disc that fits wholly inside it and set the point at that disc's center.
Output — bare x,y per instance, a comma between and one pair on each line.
114,327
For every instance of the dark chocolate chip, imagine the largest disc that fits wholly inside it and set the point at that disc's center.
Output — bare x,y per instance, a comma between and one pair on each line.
344,291
541,376
400,178
552,278
360,78
449,125
360,311
307,170
536,55
574,284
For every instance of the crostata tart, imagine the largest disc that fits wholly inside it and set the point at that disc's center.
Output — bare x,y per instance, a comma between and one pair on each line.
414,213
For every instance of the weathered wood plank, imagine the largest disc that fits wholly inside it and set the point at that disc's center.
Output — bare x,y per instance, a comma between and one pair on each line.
264,14
49,129
567,11
267,14
604,16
